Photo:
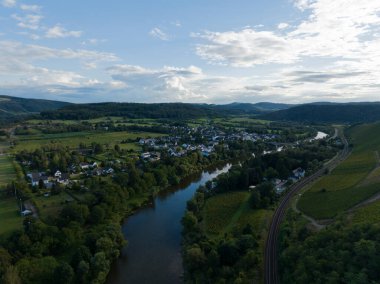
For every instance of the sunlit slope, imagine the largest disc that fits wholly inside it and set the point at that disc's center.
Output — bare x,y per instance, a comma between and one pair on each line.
353,181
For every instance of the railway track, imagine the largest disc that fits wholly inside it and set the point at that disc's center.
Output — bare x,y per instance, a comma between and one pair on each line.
271,248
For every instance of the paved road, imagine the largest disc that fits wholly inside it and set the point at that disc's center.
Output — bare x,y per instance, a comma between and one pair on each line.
270,270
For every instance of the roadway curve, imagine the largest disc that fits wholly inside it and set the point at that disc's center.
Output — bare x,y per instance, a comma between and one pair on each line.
270,270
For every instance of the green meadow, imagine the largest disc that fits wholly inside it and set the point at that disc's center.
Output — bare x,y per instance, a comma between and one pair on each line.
10,218
7,171
224,212
354,180
73,139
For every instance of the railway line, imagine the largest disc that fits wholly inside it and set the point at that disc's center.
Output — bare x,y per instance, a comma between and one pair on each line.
271,248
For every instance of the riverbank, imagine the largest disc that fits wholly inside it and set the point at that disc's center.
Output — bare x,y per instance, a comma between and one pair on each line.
154,235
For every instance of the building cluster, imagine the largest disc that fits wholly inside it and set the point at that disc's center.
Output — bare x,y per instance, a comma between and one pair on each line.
202,138
280,185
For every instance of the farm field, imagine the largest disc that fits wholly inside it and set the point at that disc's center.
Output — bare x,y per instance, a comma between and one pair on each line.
50,206
367,214
10,218
73,139
354,180
7,171
223,212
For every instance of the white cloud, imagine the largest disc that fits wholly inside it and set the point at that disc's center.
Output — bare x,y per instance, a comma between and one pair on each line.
158,33
9,3
30,8
303,4
22,65
30,21
334,29
282,26
59,32
334,52
245,48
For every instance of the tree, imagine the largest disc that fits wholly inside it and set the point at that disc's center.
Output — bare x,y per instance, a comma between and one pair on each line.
255,199
189,221
64,273
11,276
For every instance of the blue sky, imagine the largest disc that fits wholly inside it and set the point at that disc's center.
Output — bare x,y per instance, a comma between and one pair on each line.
212,51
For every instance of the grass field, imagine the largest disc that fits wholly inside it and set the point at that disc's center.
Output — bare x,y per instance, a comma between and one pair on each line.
73,139
10,218
368,214
51,206
7,171
224,212
353,181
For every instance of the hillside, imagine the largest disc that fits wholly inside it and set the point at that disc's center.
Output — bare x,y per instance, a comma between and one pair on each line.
253,108
159,110
328,113
13,107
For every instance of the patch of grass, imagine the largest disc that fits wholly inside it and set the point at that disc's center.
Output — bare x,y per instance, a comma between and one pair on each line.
325,205
225,212
367,214
50,206
259,219
73,139
10,218
7,171
347,184
220,210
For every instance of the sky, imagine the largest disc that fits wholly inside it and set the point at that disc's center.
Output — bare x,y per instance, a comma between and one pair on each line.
199,51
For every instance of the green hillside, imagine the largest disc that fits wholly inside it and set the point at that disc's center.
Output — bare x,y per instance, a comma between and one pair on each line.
329,113
353,181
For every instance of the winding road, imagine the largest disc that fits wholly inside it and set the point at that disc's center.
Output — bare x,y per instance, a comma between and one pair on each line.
271,248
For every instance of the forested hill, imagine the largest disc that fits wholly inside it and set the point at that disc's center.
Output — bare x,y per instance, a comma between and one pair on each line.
159,110
11,107
253,108
329,113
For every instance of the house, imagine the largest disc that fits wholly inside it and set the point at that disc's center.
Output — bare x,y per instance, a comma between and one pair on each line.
281,186
251,187
145,156
84,166
298,173
108,171
26,213
57,174
35,178
64,178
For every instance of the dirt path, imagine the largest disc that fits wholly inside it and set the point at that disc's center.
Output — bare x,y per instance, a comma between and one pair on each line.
370,200
318,225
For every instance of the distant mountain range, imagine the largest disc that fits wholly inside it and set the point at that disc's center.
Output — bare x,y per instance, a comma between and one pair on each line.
13,108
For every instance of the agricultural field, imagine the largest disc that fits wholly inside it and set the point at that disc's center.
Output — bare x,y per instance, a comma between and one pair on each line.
367,214
10,218
354,180
7,171
73,139
51,206
224,212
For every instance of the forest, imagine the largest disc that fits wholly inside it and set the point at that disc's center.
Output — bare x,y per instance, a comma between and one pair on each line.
234,253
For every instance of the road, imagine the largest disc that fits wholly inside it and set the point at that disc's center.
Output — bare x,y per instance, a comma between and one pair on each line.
270,269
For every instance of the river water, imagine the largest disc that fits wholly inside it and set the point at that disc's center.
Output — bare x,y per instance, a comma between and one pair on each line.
153,254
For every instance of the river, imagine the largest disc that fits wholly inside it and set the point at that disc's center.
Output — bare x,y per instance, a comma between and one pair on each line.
153,254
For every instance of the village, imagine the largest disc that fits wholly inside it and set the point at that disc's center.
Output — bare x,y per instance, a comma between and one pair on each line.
183,141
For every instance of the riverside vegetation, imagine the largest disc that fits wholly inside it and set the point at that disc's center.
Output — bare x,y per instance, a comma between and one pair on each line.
347,250
225,225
